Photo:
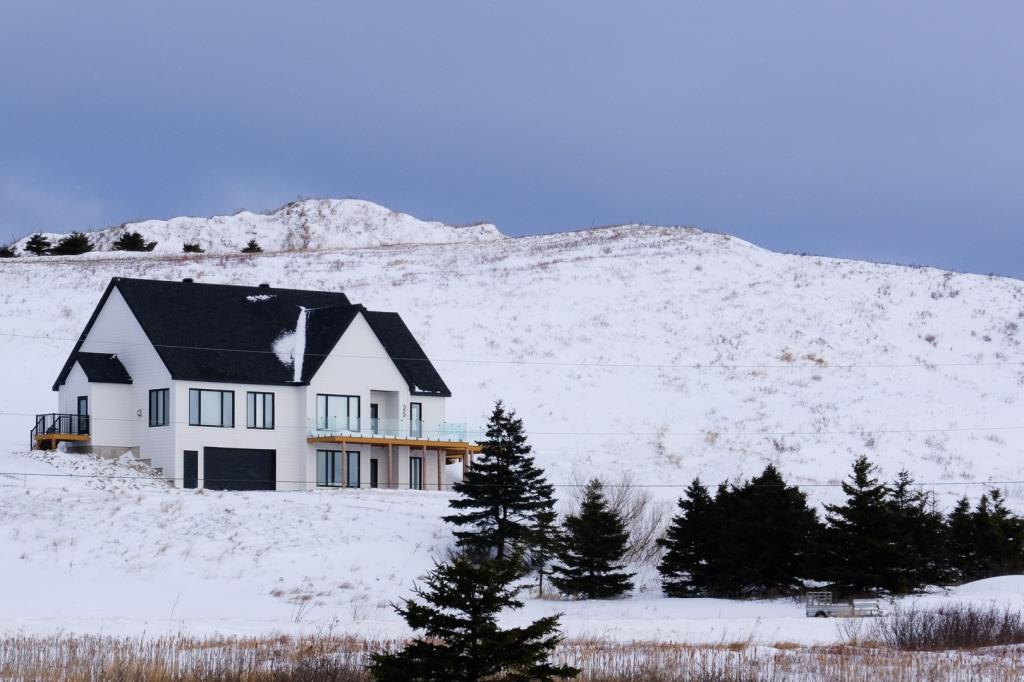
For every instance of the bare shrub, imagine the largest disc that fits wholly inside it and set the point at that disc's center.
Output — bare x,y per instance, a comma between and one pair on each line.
958,626
644,517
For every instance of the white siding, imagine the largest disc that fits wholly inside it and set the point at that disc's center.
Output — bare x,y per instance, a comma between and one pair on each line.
287,438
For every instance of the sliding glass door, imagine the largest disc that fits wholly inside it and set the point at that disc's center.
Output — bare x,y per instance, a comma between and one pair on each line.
337,413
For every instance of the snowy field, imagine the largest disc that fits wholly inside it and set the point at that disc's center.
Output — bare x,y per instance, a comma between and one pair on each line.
111,551
666,353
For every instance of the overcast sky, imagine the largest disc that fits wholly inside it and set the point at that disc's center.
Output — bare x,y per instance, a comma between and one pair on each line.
880,130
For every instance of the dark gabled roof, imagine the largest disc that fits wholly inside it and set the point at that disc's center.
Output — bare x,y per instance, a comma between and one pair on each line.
102,368
225,333
407,355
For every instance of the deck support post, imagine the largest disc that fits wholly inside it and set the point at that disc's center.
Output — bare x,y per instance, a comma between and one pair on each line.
344,466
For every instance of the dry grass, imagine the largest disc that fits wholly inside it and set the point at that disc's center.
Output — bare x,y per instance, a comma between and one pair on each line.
341,659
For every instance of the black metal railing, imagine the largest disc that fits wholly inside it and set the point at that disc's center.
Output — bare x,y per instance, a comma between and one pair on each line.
55,424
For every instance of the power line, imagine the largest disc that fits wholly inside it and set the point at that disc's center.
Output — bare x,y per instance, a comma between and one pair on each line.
433,486
705,433
556,363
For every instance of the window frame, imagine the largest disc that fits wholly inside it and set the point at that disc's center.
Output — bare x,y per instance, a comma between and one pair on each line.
420,482
254,398
332,459
155,408
416,425
322,416
198,416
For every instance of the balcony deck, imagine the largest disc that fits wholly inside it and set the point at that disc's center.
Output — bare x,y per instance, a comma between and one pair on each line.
53,428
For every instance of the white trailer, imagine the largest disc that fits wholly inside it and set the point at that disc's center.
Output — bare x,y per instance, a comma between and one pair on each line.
821,605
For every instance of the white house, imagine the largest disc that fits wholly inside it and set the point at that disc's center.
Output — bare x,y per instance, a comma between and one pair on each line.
255,388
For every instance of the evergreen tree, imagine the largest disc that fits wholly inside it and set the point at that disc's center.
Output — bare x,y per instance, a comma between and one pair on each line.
252,247
987,541
133,241
38,245
917,535
74,244
960,548
688,544
595,542
192,248
8,252
860,552
765,531
508,504
461,641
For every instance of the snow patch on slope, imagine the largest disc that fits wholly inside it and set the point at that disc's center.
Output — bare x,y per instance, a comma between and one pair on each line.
308,225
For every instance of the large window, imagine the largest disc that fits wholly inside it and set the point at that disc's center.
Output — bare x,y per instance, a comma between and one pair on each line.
260,410
328,468
337,412
211,408
158,413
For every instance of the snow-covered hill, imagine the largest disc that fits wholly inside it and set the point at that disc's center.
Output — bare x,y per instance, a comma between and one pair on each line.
666,353
305,225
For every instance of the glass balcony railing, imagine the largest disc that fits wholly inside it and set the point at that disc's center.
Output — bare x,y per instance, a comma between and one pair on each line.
394,428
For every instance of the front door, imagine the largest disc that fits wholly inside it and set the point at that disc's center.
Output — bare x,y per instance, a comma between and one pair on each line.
83,414
190,473
374,482
416,473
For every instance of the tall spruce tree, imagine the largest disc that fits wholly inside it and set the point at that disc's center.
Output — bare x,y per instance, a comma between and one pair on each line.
766,531
860,542
133,241
918,534
688,544
38,245
461,642
505,504
961,561
74,244
252,247
591,561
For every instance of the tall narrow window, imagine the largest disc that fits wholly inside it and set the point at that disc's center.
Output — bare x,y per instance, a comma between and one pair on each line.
415,473
328,468
158,413
211,408
352,469
260,410
337,412
416,420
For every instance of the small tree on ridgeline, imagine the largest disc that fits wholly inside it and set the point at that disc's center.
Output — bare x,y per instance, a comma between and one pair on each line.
591,560
688,542
252,247
38,245
505,506
192,248
859,550
74,244
133,241
461,642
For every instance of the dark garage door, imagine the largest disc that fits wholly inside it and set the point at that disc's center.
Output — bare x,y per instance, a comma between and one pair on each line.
239,469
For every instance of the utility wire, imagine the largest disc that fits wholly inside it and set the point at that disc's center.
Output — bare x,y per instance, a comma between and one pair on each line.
705,433
814,363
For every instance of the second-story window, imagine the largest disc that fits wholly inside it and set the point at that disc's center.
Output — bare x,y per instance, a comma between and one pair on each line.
337,412
158,412
211,408
260,410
